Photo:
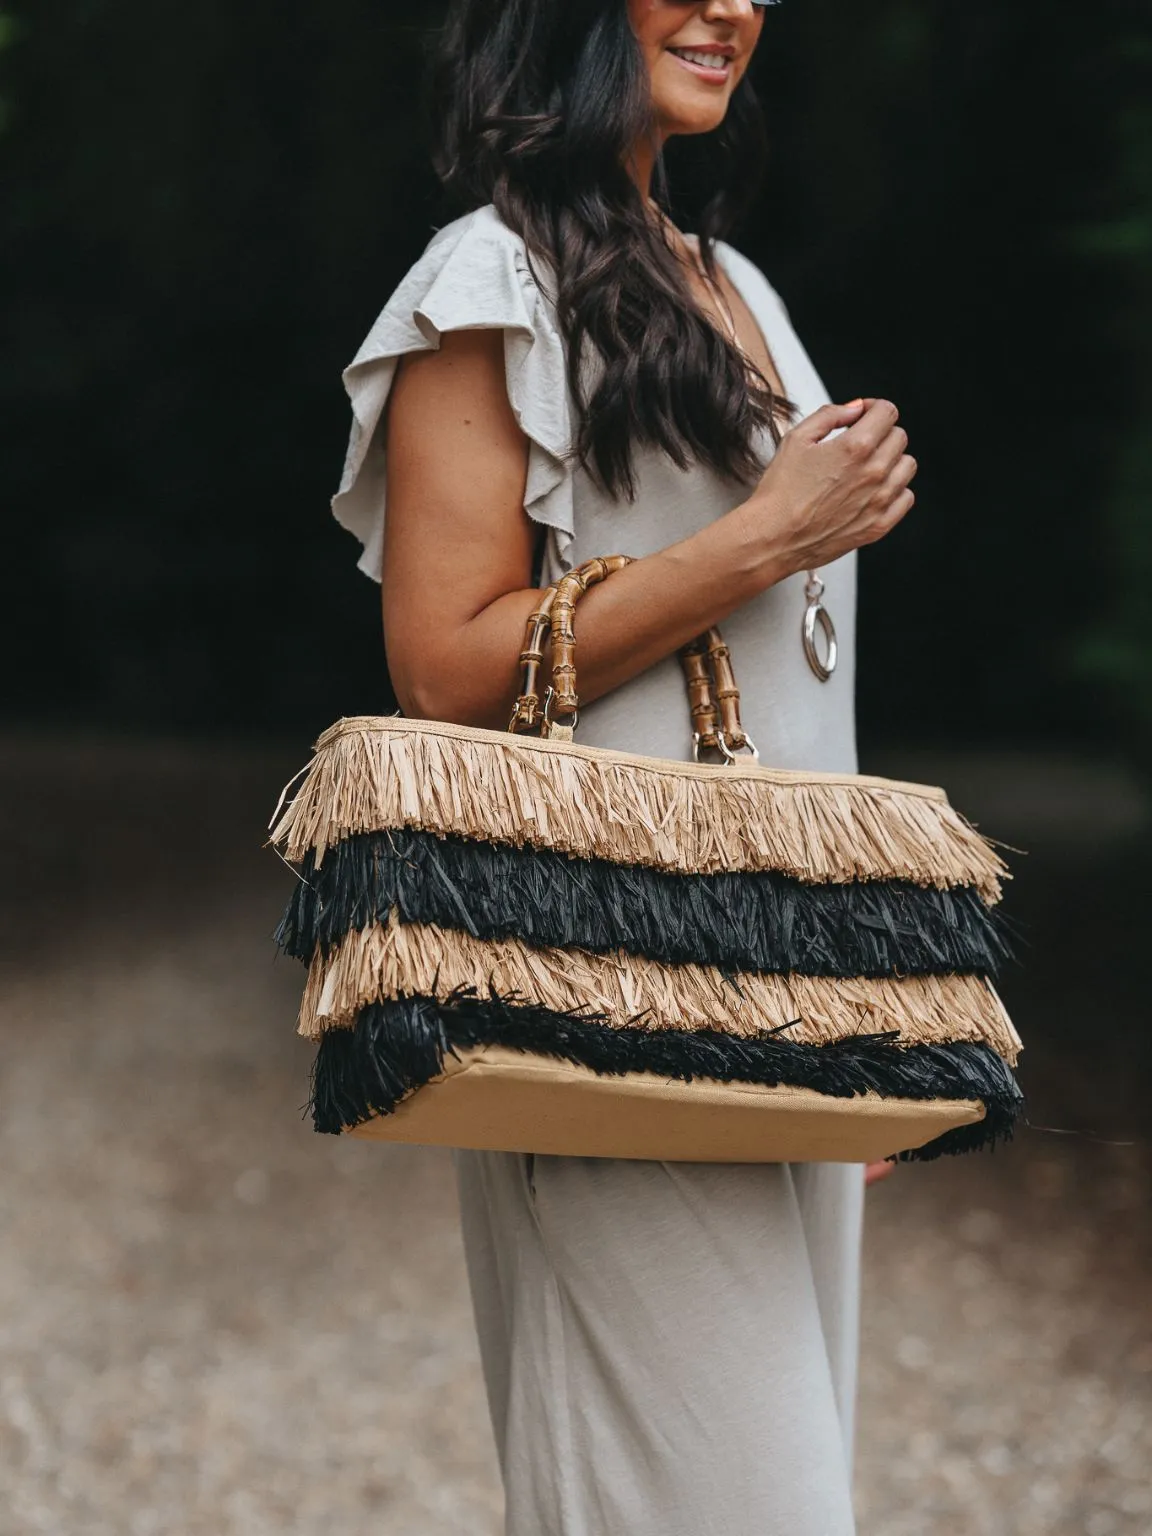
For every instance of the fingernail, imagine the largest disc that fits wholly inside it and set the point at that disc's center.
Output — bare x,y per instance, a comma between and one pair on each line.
854,405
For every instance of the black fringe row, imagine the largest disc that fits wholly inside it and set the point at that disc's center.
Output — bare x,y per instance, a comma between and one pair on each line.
765,922
396,1047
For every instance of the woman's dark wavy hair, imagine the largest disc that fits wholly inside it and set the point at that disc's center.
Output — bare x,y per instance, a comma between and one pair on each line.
538,106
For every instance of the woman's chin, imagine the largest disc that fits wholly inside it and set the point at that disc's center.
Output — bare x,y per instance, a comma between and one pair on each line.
697,117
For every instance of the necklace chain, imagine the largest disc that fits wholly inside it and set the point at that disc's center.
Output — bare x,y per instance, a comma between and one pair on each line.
816,615
724,309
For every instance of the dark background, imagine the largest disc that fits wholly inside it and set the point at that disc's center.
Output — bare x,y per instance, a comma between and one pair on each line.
230,1328
205,206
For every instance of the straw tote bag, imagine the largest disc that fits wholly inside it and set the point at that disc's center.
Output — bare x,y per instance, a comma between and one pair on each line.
518,943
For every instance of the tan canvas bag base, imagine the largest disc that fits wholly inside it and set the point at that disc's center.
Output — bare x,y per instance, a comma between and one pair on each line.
497,1100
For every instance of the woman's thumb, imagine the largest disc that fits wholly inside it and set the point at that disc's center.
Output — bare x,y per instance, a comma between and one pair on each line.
830,418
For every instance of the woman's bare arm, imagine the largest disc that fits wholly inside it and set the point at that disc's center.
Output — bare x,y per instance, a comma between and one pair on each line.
458,544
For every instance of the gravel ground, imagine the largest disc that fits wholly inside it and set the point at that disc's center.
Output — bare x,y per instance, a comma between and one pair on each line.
212,1321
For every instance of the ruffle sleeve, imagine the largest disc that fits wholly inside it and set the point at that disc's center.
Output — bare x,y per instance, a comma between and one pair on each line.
473,276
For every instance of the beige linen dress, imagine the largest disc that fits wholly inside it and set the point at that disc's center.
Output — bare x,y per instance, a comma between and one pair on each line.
669,1348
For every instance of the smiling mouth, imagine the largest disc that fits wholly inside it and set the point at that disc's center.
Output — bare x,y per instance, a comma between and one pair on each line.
703,62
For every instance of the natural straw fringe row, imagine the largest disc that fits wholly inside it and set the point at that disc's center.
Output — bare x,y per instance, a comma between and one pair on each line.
422,960
374,774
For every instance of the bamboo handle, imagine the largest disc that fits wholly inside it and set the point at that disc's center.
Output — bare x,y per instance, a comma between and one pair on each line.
526,710
701,701
733,736
555,611
713,697
569,590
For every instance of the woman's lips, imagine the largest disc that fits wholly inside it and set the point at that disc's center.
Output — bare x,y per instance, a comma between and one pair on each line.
715,73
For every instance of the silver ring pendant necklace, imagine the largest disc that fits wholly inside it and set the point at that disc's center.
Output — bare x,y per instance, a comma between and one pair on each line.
816,616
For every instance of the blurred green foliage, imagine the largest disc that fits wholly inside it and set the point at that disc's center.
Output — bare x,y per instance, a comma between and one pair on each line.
1118,650
9,31
206,206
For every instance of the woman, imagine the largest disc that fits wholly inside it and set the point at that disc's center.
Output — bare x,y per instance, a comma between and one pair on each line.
668,1348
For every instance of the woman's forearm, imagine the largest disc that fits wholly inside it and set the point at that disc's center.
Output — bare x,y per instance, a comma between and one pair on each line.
623,626
454,608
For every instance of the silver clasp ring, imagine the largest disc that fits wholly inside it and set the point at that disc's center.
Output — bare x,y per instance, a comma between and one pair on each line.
549,723
816,614
733,757
724,749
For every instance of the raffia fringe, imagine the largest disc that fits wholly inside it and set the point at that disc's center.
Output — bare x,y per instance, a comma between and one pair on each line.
396,1048
758,921
422,960
371,774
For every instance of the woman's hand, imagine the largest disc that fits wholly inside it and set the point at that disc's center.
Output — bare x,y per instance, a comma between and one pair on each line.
822,497
874,1172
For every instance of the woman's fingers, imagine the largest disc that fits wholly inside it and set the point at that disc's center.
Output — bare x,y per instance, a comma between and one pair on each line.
900,508
874,1172
889,453
870,431
898,479
888,515
829,418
